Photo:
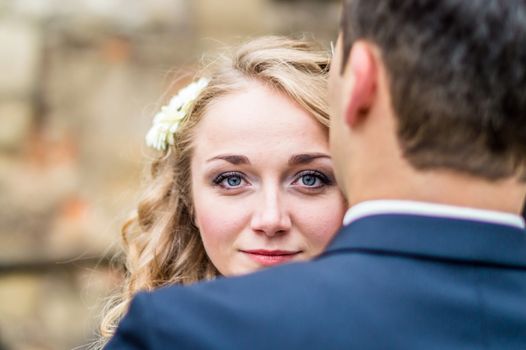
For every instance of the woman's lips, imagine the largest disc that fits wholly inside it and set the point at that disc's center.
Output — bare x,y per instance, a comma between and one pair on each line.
271,257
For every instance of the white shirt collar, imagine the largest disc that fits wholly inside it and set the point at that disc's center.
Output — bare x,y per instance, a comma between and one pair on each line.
374,207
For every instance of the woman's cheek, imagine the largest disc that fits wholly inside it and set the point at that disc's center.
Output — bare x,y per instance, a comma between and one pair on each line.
322,221
212,226
219,226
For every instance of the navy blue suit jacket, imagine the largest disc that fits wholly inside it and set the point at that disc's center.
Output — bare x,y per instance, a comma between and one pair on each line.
385,282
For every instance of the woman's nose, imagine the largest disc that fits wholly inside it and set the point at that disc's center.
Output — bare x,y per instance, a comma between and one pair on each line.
271,216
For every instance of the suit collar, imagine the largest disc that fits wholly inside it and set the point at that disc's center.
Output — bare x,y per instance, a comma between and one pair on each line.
434,238
391,206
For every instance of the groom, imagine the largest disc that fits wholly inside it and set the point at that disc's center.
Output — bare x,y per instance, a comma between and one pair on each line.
429,140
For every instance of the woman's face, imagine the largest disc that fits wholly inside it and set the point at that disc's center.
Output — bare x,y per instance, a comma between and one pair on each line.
263,184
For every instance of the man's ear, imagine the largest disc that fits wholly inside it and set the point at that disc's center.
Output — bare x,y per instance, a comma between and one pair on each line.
361,78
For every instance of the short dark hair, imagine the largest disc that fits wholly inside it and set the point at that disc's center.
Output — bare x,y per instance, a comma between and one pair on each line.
457,78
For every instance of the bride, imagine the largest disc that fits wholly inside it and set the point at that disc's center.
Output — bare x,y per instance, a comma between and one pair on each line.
243,179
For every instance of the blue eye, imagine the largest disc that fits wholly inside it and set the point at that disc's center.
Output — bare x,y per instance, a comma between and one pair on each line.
309,180
233,181
230,180
312,180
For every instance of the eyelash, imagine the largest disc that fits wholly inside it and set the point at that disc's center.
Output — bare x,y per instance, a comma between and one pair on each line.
325,180
219,179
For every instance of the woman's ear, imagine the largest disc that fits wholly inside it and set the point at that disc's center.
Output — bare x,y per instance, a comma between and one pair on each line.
360,80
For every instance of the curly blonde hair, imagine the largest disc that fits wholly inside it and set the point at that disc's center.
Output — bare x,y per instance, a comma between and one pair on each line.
162,244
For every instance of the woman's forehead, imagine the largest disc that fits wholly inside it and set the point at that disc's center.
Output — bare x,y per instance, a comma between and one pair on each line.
258,118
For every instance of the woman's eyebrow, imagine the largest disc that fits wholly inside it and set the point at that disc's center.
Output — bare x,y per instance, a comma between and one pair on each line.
234,159
306,158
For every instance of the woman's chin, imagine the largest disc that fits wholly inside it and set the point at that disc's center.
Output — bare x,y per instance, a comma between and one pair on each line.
256,262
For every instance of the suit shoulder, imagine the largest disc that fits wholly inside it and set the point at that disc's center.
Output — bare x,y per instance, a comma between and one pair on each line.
258,304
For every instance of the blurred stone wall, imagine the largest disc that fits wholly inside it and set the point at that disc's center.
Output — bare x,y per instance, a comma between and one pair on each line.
79,83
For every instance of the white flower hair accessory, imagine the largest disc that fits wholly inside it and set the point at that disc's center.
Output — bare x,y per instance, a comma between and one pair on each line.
167,120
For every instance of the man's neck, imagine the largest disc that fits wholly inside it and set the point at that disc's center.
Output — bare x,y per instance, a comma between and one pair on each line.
441,187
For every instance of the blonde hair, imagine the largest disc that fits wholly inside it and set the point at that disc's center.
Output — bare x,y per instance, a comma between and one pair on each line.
162,244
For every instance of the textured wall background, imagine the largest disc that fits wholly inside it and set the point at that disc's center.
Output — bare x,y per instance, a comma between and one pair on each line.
79,83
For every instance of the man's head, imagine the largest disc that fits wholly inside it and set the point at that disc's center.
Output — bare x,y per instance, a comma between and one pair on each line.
451,76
